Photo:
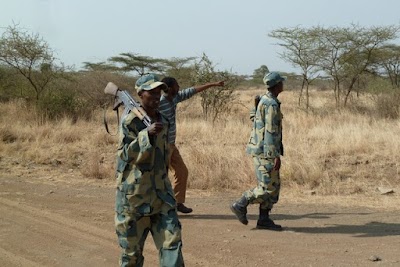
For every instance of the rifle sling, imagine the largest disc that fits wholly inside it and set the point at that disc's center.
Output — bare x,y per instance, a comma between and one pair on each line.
105,121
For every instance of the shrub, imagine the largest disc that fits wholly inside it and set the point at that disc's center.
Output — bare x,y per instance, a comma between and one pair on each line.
388,105
64,104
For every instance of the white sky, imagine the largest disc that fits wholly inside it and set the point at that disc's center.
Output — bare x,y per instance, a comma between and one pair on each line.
233,33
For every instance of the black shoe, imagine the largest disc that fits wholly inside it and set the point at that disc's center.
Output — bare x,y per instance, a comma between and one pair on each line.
240,213
268,224
182,208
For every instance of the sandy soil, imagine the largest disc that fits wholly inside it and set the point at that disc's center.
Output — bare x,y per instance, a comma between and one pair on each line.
48,221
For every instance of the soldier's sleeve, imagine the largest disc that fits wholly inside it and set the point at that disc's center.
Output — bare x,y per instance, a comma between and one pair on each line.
134,143
271,132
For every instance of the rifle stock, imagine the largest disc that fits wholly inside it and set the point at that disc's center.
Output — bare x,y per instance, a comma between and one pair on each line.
122,97
111,89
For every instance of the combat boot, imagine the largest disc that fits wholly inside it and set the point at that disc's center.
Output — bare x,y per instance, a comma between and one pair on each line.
265,222
182,208
239,208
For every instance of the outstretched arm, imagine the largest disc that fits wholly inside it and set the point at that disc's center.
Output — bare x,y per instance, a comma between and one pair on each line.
203,87
189,92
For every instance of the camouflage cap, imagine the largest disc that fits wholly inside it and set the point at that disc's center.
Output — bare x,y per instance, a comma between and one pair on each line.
149,82
273,78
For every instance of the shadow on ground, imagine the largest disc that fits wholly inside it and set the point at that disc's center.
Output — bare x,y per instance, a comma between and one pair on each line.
370,229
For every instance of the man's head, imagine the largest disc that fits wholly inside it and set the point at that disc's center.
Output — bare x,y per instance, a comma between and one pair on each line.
149,89
273,78
274,82
173,86
149,82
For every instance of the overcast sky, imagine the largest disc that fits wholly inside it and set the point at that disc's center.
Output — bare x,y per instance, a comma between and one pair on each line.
233,33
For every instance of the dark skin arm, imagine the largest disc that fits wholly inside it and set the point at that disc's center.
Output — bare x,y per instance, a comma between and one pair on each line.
203,87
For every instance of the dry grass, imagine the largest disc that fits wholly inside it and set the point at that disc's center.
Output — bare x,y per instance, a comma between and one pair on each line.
327,151
64,145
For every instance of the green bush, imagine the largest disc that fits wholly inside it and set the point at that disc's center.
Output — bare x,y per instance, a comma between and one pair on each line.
64,104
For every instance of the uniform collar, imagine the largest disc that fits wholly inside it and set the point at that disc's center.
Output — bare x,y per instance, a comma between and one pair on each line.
269,94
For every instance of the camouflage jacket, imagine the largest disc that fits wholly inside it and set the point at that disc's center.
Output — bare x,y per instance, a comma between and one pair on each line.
266,136
142,174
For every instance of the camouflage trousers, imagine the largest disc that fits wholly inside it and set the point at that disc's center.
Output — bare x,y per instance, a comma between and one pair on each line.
165,228
267,191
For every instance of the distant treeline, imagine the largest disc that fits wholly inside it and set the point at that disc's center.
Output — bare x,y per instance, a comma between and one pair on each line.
344,60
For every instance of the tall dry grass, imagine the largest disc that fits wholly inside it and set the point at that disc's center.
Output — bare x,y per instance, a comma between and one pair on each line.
328,151
63,146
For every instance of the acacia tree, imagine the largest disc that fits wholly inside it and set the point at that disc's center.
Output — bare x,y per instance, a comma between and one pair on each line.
31,57
387,62
332,44
364,44
302,50
344,54
99,66
140,64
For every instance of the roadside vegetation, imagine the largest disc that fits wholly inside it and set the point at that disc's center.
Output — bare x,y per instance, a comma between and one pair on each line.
341,121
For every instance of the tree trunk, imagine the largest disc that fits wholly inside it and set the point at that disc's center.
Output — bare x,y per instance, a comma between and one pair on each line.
301,92
346,98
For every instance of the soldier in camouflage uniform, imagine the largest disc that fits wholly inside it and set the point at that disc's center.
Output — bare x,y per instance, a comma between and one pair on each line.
265,146
145,198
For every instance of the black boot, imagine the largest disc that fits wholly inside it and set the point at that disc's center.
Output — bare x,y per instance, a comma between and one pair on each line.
239,208
182,208
264,222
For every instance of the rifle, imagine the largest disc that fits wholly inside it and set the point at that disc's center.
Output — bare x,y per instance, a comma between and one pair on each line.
122,97
257,99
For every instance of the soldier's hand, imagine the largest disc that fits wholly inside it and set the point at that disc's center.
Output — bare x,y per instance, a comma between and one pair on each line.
277,163
155,128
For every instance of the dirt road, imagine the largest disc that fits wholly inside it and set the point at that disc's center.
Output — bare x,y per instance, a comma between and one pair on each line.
54,222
